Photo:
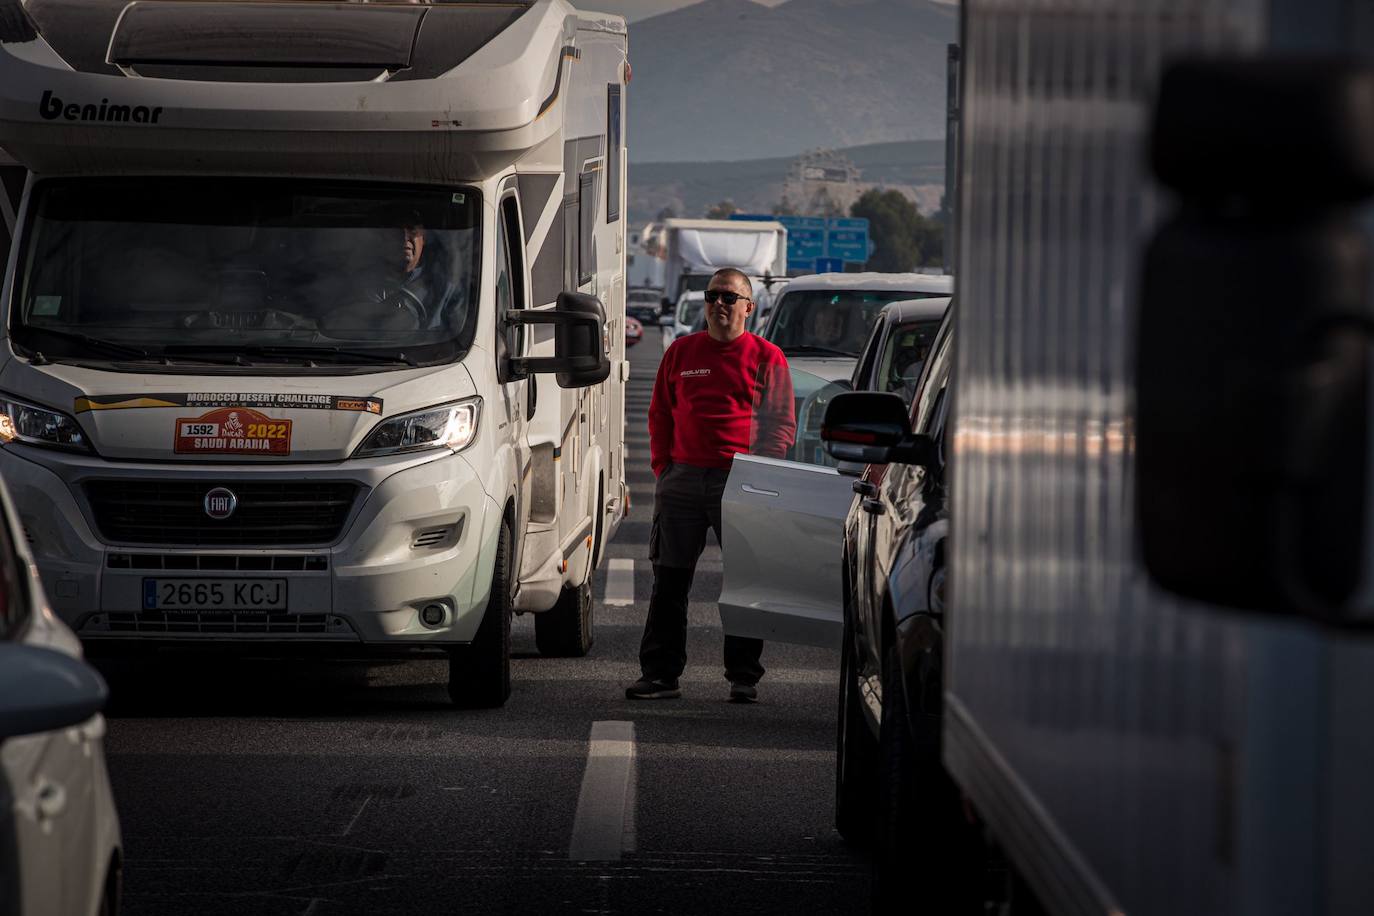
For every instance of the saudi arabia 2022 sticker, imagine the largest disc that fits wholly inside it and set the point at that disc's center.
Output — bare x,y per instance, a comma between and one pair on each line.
232,431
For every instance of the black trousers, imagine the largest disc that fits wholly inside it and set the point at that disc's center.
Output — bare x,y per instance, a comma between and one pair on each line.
686,505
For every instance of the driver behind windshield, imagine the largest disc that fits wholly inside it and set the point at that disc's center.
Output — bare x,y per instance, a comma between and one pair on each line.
416,296
402,283
825,328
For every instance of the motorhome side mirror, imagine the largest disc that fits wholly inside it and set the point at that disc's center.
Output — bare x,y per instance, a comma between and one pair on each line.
665,305
1231,346
42,690
579,341
666,321
872,427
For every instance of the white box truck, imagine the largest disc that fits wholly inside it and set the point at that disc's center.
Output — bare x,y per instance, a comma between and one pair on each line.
314,321
696,248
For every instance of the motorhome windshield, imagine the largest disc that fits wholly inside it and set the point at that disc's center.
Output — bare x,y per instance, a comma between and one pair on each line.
825,321
247,272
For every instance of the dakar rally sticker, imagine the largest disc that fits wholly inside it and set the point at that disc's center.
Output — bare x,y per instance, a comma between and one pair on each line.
233,431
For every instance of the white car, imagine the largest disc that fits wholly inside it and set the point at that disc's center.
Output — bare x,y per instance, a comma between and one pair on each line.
60,848
822,322
691,305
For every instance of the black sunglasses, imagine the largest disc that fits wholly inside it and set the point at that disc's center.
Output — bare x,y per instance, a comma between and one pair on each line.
729,298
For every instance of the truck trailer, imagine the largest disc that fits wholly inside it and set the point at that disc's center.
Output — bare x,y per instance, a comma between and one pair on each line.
696,248
314,321
1159,670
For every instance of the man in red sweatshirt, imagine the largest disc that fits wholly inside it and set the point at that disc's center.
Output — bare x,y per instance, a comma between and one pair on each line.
719,392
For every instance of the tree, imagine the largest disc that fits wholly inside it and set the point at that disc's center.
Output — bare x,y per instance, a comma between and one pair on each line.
903,239
722,210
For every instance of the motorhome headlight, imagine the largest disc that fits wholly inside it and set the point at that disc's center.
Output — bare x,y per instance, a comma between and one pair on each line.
453,426
21,422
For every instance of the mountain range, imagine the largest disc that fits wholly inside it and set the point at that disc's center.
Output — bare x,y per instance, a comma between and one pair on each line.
916,167
732,80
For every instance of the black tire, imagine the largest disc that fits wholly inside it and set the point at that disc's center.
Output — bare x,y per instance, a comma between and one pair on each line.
565,630
479,673
921,822
855,755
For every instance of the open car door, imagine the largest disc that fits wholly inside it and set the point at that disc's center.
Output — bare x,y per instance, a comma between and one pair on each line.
782,528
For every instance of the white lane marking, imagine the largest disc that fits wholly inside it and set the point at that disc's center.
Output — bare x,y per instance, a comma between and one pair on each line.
604,826
620,583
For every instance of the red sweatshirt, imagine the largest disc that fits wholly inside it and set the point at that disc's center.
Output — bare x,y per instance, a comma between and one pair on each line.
713,400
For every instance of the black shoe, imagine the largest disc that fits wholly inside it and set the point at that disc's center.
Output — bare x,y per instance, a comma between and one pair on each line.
743,693
645,689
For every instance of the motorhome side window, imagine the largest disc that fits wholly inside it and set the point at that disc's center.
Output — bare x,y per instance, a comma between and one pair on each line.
168,271
586,250
510,281
11,189
613,143
572,246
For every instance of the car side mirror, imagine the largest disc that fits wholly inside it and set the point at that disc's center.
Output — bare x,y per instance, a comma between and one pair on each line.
42,690
579,341
1253,369
873,427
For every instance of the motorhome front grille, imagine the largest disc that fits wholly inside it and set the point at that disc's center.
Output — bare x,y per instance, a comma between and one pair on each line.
265,514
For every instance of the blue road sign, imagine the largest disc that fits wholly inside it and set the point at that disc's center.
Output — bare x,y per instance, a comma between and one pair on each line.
829,266
847,239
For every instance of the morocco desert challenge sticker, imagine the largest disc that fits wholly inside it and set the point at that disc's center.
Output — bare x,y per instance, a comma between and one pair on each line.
232,431
205,400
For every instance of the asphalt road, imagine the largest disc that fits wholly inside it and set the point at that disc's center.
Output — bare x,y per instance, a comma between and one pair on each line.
321,787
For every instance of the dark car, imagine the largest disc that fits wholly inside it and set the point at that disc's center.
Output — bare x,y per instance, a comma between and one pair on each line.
644,303
891,791
899,346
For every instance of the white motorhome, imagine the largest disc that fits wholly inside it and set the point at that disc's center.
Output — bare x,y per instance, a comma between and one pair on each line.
314,320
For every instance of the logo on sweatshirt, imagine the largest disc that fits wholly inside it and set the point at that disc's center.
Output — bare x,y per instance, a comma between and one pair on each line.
694,373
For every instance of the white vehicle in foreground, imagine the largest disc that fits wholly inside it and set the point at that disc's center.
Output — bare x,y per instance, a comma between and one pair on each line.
60,848
342,362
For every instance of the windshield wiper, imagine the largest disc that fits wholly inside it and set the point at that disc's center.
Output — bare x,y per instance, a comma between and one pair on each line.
808,348
309,354
110,347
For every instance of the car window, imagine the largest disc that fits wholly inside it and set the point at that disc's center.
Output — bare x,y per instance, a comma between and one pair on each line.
811,395
863,369
903,357
932,386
